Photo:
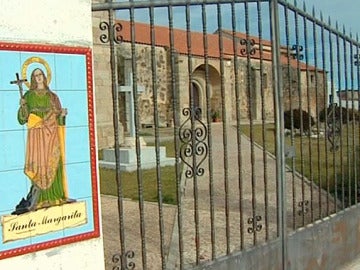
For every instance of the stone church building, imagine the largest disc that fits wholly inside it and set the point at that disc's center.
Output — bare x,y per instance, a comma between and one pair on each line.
254,81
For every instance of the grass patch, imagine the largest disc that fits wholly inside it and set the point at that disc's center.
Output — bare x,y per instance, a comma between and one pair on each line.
130,185
129,180
313,157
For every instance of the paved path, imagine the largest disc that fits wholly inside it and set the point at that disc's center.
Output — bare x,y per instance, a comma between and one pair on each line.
257,197
110,223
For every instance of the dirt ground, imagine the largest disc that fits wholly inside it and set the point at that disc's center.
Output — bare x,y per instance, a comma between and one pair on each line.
111,231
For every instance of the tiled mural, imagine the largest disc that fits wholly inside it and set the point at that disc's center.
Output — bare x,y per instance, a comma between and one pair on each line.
47,148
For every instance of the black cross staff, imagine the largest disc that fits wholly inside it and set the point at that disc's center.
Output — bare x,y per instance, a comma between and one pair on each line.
19,82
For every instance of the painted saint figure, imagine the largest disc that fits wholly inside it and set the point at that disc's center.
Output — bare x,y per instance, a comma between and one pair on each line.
41,110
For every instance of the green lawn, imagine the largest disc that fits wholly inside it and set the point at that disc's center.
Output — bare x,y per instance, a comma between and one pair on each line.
150,186
313,157
130,186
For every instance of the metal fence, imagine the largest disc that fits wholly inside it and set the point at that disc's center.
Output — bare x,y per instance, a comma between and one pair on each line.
285,153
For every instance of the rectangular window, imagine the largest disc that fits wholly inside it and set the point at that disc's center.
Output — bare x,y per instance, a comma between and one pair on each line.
265,80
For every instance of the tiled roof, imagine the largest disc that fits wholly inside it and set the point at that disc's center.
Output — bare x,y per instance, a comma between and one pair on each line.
161,36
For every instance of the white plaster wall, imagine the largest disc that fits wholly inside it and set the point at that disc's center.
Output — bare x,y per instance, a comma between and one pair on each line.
86,255
61,22
49,21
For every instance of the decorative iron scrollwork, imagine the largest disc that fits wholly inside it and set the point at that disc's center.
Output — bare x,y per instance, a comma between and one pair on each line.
333,127
254,221
193,138
249,45
295,52
303,205
357,60
121,260
116,28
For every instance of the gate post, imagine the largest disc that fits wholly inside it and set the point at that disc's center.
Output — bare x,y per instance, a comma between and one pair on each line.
279,120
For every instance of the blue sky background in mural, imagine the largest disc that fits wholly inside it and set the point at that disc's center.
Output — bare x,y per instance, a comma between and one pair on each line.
341,13
69,81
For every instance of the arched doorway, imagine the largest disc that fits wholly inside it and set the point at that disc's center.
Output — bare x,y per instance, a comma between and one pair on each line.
195,94
207,100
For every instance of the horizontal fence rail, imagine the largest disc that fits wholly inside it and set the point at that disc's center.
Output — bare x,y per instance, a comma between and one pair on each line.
242,118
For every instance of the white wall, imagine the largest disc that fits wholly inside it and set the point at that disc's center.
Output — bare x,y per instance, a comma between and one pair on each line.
87,255
66,22
61,22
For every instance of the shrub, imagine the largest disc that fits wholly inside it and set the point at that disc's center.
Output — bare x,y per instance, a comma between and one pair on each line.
307,120
339,111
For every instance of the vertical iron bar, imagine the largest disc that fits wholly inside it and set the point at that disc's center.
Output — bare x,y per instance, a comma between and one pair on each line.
347,148
210,159
137,140
301,117
157,143
176,112
225,144
358,118
292,139
319,178
338,58
116,136
332,76
193,143
306,47
263,119
325,85
250,109
352,164
238,117
280,157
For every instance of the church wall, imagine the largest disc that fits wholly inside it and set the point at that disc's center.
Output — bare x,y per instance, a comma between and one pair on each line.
183,84
313,94
145,79
310,93
257,101
243,91
181,77
163,81
102,78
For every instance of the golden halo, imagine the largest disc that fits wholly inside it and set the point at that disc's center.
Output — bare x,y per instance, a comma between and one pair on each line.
39,60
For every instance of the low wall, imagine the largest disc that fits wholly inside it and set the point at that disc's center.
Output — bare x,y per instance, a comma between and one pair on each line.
327,244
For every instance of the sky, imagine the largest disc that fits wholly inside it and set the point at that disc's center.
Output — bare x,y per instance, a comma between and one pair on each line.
345,12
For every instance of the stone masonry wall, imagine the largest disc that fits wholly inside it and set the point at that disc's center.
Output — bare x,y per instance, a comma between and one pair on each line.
153,82
103,85
261,101
310,93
